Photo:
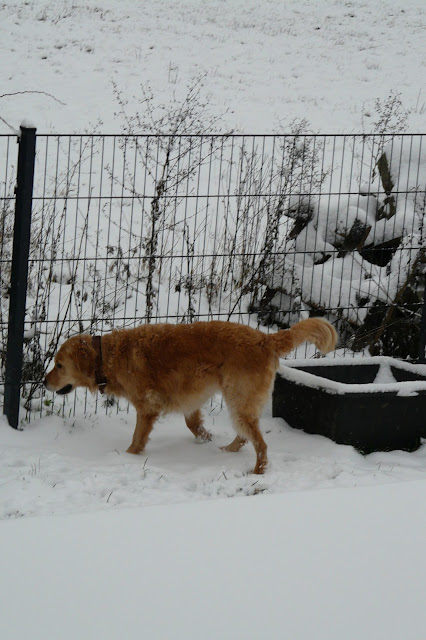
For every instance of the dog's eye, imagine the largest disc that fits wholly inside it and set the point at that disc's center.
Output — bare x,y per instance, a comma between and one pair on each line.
58,365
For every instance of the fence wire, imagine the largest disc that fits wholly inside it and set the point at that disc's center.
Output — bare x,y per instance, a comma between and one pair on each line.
255,229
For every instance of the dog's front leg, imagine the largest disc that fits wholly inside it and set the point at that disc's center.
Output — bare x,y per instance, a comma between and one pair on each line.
144,425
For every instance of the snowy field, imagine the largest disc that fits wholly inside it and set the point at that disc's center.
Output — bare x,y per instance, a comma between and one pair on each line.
264,62
96,543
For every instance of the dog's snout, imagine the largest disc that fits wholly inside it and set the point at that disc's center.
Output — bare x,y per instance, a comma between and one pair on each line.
46,382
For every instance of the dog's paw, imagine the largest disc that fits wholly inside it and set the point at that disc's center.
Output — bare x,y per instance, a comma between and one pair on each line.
133,449
203,435
259,469
235,445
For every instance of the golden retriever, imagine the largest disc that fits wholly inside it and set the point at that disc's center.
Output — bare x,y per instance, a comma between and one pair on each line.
164,368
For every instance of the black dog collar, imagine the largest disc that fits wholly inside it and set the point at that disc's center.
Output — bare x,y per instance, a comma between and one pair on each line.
100,378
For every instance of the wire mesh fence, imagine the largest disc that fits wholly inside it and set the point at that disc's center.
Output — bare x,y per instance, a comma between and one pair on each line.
255,229
7,206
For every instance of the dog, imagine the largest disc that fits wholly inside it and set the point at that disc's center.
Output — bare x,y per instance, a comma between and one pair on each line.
166,368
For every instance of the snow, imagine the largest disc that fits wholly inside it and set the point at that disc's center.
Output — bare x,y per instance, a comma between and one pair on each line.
325,564
384,381
75,465
183,541
264,62
385,375
27,124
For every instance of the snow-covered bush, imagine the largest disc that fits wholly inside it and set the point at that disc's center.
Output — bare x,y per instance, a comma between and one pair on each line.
358,254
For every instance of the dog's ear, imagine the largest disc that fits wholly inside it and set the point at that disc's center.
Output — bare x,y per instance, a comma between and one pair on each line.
84,355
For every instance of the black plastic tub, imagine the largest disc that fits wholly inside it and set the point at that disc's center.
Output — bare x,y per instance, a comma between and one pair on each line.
373,404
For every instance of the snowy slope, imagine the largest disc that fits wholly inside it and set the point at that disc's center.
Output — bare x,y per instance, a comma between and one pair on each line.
264,61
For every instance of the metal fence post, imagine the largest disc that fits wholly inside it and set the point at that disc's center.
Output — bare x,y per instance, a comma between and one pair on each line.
19,274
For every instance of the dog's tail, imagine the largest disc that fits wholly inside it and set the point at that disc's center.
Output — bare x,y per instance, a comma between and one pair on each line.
316,330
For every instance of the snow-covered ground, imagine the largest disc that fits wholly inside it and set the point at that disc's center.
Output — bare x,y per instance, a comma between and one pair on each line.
97,543
323,565
60,466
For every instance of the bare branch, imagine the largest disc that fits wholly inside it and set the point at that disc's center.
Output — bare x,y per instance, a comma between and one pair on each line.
10,126
44,93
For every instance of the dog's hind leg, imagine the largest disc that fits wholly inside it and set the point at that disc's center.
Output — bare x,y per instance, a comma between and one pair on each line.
249,426
194,422
144,425
245,419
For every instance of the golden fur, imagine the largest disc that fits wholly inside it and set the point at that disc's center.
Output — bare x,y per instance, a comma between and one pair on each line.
164,368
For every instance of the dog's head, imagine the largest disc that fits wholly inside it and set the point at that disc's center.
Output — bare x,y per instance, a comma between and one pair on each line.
74,366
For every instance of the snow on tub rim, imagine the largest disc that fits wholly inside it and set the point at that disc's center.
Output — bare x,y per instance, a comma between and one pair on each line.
373,404
384,379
